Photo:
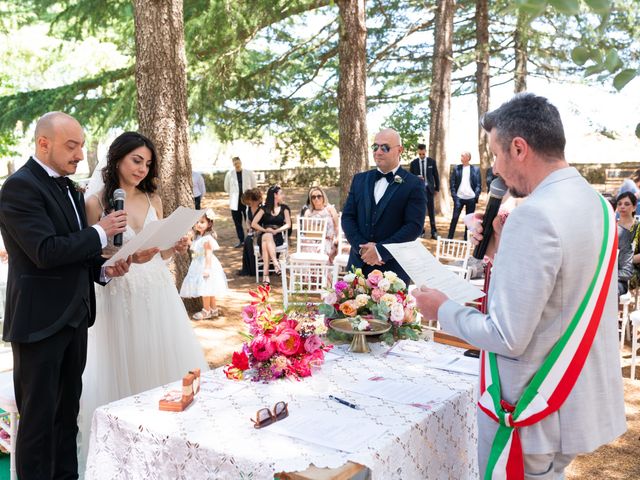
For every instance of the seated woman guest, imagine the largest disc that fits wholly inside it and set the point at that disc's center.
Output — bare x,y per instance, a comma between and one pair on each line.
319,206
272,222
253,200
627,226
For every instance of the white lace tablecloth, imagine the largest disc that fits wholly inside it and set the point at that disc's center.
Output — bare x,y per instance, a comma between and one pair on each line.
215,439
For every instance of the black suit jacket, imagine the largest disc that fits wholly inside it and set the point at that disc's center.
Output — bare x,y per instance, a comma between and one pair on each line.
52,262
398,216
456,177
433,179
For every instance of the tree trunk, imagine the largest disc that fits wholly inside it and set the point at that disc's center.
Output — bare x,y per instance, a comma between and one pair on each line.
161,83
482,82
440,99
92,155
521,54
352,97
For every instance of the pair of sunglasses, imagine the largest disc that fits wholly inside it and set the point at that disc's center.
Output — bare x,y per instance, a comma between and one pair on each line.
265,417
385,147
313,197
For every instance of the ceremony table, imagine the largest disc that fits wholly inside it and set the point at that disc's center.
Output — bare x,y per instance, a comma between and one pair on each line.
214,438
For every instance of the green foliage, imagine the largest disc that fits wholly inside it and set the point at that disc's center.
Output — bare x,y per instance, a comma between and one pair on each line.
570,7
638,130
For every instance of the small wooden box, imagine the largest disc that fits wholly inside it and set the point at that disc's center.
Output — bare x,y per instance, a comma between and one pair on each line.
177,401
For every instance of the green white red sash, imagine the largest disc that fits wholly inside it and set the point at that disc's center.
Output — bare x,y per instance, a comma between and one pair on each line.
557,375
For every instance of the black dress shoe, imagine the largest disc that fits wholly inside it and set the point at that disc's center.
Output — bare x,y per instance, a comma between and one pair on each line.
434,236
238,245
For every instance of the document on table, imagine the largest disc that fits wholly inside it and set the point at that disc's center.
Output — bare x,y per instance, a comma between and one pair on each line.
425,269
161,234
457,363
399,391
343,430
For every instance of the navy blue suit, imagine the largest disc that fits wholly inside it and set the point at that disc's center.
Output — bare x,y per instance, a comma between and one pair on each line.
398,217
429,170
458,203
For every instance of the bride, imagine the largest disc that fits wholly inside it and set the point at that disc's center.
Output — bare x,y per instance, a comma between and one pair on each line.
142,337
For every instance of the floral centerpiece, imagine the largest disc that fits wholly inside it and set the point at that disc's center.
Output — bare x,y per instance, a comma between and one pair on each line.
278,345
382,296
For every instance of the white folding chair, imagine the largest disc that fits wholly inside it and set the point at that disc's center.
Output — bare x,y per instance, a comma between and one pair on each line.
305,279
623,316
9,419
341,259
312,241
281,252
454,254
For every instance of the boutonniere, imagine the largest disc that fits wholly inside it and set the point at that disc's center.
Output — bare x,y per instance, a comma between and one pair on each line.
77,187
398,179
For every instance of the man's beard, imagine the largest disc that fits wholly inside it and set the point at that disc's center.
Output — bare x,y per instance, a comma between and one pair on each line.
516,193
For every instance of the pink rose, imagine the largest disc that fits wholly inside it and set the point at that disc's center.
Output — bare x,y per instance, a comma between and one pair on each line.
330,298
262,348
377,294
312,343
301,367
374,278
288,341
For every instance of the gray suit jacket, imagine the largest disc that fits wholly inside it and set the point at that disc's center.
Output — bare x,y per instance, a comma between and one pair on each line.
547,256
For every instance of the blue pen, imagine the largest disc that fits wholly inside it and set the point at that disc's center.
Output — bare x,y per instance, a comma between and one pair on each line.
344,402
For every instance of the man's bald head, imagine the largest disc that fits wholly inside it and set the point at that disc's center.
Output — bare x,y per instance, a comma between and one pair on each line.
59,141
387,155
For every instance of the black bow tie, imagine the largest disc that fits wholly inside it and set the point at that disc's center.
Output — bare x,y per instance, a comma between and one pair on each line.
62,182
388,176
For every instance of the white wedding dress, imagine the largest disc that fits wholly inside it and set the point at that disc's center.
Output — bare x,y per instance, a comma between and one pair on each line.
142,338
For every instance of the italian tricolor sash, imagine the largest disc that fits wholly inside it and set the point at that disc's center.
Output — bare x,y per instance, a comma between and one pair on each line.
557,375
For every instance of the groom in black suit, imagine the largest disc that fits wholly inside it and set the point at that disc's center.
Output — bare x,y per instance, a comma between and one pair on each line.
386,205
54,259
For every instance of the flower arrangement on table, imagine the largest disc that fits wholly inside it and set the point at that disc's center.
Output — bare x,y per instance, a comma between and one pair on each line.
382,296
278,345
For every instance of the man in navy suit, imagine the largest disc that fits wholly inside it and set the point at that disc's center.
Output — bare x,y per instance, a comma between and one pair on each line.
427,171
465,190
385,205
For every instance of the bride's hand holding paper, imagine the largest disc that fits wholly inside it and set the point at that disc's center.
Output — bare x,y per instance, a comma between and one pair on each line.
143,256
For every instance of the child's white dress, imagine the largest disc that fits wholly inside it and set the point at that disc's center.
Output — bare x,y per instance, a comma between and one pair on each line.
195,284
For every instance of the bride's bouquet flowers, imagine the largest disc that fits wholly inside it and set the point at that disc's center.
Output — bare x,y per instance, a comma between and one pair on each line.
379,295
278,345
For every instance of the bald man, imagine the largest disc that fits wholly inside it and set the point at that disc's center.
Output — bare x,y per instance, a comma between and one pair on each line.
465,185
54,259
385,205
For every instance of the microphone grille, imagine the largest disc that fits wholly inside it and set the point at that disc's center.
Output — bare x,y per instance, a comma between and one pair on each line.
498,188
120,194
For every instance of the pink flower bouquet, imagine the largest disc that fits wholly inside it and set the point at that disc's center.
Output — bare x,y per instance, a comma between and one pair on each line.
379,295
278,345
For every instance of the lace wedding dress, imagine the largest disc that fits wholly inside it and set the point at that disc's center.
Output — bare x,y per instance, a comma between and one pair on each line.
142,338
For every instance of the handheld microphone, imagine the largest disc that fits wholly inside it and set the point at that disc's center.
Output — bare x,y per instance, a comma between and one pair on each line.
118,204
496,192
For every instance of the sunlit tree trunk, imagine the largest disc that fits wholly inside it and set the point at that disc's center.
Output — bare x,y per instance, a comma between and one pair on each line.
482,81
521,53
161,83
440,99
352,97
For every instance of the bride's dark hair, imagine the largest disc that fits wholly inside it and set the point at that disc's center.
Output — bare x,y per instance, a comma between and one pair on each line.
121,146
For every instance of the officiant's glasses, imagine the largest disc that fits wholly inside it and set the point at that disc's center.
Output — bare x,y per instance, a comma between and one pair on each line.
265,417
385,147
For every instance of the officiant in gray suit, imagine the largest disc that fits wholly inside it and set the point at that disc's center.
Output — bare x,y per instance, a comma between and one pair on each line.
550,383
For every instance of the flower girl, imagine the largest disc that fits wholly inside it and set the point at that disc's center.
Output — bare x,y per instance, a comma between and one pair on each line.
205,277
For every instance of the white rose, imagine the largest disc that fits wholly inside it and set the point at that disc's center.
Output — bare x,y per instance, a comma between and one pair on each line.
361,300
397,313
349,277
391,276
384,285
363,325
389,299
399,284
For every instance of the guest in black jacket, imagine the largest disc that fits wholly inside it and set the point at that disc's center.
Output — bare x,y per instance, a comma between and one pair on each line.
465,190
427,170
